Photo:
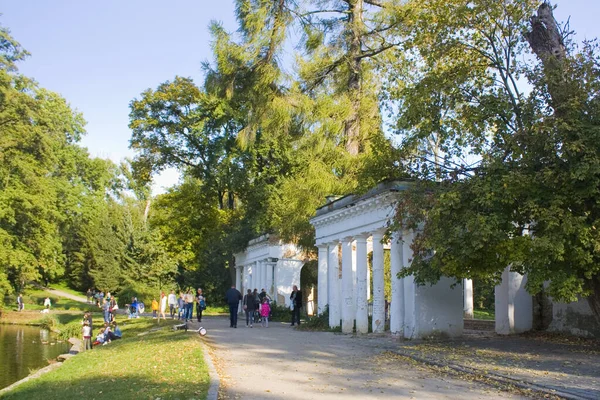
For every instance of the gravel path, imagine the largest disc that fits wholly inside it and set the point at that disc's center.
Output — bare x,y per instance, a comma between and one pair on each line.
280,362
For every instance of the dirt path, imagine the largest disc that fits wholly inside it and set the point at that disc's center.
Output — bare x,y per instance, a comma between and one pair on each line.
60,293
281,363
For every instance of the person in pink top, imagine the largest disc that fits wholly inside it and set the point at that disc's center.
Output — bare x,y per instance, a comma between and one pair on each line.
265,310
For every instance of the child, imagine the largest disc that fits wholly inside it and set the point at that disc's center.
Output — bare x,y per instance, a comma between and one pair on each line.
100,338
154,308
265,310
87,336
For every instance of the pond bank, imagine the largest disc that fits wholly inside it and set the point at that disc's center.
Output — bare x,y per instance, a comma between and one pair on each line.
158,363
26,348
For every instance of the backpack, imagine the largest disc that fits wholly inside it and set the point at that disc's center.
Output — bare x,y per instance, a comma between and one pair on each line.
203,304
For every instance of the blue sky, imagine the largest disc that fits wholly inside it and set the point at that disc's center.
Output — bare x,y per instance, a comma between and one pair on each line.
100,55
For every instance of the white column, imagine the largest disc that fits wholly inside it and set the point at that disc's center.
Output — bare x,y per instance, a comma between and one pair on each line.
247,278
255,275
238,277
468,298
362,308
354,284
347,287
378,323
238,281
397,307
514,305
322,278
269,288
332,267
368,282
263,269
410,320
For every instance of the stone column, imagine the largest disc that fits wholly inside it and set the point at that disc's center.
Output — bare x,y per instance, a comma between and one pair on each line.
238,277
269,288
264,268
514,306
409,288
397,306
332,267
468,298
347,287
322,278
378,324
255,275
362,307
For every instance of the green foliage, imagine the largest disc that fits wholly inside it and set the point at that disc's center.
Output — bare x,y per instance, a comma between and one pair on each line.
280,313
318,322
529,201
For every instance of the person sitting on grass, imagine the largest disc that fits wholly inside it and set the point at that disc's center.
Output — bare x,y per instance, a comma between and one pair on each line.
116,331
100,338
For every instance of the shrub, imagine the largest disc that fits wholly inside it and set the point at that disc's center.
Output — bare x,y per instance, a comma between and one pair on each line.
280,313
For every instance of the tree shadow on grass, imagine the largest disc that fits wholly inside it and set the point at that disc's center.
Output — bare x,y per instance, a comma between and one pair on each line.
131,386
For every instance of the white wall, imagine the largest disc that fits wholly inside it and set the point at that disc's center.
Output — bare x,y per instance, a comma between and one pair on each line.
514,306
433,309
574,318
287,273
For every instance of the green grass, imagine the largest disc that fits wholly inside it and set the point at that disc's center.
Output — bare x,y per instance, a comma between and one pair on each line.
64,288
484,314
160,364
217,310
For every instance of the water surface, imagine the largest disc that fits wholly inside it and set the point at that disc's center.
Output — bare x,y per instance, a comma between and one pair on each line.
25,348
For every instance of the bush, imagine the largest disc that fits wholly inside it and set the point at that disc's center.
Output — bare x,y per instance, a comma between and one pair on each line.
319,323
280,313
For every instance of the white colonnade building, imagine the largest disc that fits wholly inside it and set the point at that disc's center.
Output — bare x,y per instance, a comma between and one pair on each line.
267,263
346,229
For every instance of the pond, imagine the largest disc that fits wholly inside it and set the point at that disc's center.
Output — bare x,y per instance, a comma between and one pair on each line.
26,348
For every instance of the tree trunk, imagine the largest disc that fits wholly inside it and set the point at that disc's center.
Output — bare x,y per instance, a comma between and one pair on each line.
546,41
352,123
594,298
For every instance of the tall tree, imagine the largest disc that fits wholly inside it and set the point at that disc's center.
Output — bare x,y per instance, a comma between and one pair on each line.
528,202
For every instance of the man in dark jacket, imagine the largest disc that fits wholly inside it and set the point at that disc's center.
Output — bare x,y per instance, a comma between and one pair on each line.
296,304
233,297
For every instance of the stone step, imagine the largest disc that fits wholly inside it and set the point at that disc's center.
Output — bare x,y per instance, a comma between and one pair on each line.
480,324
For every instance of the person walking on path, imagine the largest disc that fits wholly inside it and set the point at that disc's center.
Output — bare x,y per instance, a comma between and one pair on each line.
189,305
249,307
20,304
296,304
172,300
47,302
181,306
233,297
265,310
163,306
106,310
154,308
200,305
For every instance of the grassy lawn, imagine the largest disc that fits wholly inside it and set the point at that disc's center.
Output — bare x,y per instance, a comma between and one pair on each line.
34,300
160,363
64,288
484,314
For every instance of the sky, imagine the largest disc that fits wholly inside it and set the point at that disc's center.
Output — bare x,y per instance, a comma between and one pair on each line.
100,55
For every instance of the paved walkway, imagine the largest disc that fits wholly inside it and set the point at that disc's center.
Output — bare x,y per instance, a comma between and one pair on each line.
282,363
568,367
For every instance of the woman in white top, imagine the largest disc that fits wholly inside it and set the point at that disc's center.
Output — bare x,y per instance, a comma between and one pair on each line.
163,305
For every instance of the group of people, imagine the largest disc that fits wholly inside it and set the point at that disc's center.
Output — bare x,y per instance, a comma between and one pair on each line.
185,305
182,305
108,332
257,306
